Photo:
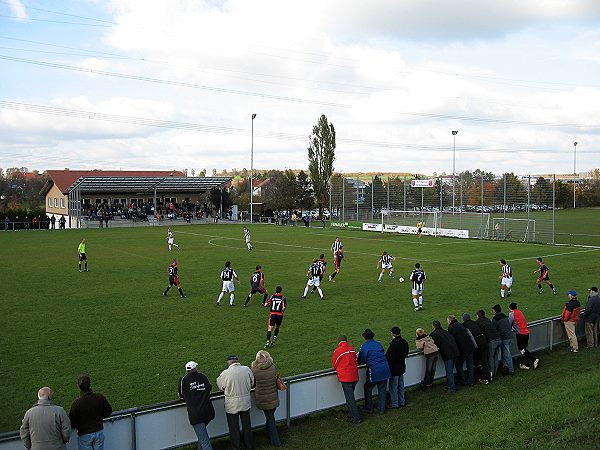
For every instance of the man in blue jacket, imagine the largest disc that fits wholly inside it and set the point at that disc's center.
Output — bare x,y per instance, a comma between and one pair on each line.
372,354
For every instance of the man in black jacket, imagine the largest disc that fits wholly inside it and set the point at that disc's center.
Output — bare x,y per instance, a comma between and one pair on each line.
194,389
493,338
86,414
480,355
466,346
502,324
396,356
448,351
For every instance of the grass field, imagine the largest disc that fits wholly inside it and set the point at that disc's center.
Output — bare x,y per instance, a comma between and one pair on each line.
114,323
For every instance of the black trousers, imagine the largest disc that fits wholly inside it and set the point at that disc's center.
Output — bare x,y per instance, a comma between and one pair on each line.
233,423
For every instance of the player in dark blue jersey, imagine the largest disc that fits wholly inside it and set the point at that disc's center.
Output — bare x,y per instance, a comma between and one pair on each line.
276,304
174,279
257,284
314,274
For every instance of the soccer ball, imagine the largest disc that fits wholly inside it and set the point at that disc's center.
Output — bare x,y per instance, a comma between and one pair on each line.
401,280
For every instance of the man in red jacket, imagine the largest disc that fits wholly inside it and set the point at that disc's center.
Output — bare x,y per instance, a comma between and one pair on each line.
569,318
344,363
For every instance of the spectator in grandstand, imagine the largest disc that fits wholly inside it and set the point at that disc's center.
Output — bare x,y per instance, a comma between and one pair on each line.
480,355
86,415
518,324
466,346
431,353
448,351
502,324
344,362
46,425
569,318
493,348
372,354
236,383
194,389
265,393
591,317
396,357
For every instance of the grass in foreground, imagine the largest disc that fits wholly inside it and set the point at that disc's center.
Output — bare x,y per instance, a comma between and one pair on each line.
114,323
554,407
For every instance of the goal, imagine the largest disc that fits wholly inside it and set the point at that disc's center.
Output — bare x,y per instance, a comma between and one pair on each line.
410,218
510,229
478,224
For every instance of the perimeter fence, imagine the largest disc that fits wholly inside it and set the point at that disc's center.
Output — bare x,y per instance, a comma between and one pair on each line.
507,207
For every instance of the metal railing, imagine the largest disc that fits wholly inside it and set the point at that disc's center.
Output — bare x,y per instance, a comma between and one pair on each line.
165,425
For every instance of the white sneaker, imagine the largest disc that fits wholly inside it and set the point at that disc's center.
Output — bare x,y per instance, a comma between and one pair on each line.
523,367
536,363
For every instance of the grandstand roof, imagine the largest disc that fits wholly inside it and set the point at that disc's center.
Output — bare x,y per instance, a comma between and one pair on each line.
146,185
65,178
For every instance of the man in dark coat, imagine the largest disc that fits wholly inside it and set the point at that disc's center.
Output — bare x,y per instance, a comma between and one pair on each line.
194,389
480,355
466,346
494,342
396,357
86,414
448,351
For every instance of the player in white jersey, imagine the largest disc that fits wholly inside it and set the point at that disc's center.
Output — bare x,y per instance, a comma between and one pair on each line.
227,275
385,263
418,277
314,278
337,249
171,240
247,238
507,280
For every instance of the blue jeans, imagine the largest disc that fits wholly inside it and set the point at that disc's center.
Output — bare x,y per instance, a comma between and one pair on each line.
397,391
381,393
493,353
348,389
203,439
272,427
468,379
506,355
450,375
430,364
91,441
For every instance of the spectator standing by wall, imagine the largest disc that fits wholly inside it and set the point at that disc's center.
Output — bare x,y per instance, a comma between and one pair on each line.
396,356
466,346
480,355
53,222
425,343
570,316
494,342
61,222
194,389
372,354
502,324
591,317
519,325
236,383
46,425
448,351
266,393
344,362
86,415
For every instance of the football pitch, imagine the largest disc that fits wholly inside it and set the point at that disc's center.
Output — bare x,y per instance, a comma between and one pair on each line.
114,323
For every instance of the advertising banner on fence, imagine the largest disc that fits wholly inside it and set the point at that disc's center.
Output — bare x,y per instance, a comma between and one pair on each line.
422,183
372,227
405,229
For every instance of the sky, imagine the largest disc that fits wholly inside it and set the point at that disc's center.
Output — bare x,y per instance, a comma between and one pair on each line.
173,84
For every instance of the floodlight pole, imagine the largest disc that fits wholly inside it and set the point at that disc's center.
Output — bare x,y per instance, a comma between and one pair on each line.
252,169
574,171
454,133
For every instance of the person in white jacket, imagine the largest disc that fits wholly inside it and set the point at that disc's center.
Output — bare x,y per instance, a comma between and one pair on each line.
236,383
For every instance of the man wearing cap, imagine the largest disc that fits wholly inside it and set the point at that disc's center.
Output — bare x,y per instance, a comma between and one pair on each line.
372,354
591,317
86,414
518,324
45,426
570,317
343,361
194,389
502,324
236,383
396,357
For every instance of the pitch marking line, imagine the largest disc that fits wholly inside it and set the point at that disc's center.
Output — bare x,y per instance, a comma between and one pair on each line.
347,236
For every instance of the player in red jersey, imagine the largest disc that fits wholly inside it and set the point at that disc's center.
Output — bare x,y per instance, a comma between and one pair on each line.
544,276
276,304
174,279
338,254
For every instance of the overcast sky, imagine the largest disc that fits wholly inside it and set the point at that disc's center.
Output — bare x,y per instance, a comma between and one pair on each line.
172,84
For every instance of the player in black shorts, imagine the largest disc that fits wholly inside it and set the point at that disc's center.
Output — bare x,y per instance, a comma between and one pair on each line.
174,279
257,284
276,305
544,276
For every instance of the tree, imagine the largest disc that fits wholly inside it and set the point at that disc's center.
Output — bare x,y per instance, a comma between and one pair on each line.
306,198
220,197
321,154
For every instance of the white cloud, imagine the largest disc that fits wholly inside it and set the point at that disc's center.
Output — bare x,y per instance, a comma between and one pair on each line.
17,8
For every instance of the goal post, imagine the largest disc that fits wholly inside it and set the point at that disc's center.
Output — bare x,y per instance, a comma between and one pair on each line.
478,224
407,218
510,229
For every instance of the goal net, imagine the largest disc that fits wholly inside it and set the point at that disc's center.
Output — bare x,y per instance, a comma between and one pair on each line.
409,218
510,229
477,224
